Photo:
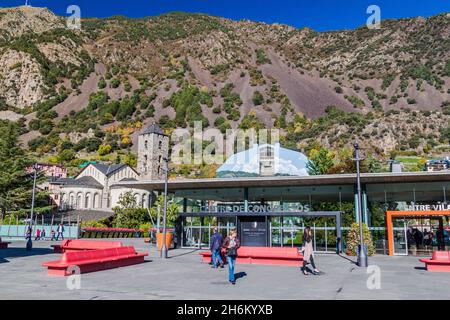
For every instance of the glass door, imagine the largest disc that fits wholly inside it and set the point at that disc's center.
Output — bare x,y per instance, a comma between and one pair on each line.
400,237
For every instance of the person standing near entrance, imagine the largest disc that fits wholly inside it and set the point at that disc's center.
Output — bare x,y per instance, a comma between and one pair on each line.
231,245
308,251
60,232
216,244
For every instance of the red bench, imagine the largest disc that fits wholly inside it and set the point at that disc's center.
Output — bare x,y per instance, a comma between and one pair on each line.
3,244
287,256
95,260
80,245
440,262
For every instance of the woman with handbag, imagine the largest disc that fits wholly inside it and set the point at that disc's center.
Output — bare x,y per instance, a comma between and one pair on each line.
308,251
231,244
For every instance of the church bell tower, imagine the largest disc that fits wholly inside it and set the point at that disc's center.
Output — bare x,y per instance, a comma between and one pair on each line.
153,147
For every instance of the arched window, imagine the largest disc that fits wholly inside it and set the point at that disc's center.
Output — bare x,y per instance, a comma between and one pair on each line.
95,203
79,200
144,200
87,201
71,199
137,199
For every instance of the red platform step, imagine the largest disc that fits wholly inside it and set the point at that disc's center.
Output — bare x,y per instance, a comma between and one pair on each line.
95,260
287,256
80,245
440,262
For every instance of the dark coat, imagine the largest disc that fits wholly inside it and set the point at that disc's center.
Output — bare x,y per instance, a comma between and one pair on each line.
226,244
216,238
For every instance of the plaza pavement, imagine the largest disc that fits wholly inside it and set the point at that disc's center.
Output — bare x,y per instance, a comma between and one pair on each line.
183,276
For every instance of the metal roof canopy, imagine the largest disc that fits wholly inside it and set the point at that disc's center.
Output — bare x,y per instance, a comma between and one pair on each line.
283,181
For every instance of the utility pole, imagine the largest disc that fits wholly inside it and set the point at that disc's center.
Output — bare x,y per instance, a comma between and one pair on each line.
30,227
362,255
164,249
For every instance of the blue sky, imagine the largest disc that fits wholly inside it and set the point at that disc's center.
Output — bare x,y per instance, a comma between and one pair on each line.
317,14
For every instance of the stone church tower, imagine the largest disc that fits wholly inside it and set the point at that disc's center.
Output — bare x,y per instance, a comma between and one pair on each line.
153,147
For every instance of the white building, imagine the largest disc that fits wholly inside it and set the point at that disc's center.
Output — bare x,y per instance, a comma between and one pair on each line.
94,187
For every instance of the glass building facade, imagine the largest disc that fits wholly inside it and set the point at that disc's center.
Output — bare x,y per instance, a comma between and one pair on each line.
273,211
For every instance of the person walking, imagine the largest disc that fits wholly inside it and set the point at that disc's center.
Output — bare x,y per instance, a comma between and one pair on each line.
231,244
216,244
308,251
38,235
43,234
28,233
52,233
60,232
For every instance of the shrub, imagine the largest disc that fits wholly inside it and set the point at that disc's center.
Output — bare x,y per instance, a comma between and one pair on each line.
115,83
258,98
104,149
353,240
66,155
102,84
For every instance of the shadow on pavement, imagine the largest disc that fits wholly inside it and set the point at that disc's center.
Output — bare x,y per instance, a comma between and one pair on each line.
22,252
183,254
421,268
348,259
239,275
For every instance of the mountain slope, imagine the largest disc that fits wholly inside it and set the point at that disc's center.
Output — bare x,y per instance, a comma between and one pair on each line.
101,84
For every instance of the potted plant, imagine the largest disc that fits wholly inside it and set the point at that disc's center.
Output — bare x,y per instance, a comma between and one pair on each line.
353,240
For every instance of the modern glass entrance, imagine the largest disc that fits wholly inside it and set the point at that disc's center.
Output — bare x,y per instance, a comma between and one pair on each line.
281,230
417,232
400,237
288,231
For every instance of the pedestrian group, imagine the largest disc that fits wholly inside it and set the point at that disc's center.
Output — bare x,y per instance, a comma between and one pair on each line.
227,250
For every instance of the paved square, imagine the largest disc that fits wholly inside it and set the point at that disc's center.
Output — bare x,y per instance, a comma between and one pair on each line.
183,276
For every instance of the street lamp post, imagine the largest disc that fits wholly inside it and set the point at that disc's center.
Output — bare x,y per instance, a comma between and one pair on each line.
362,255
163,253
30,227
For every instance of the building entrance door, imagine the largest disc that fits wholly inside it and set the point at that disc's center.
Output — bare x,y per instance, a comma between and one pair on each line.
401,244
253,231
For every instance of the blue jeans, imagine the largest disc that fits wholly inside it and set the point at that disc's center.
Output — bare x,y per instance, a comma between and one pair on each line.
216,258
231,262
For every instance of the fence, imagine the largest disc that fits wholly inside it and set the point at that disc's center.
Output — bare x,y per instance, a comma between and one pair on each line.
18,232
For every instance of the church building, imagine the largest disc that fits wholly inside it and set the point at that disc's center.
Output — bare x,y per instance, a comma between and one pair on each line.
94,187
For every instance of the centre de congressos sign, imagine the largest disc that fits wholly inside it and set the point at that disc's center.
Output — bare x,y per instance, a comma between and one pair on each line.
256,208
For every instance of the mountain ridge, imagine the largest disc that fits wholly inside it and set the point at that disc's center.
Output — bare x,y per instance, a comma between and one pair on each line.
177,68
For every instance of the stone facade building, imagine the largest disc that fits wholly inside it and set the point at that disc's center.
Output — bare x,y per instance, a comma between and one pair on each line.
94,187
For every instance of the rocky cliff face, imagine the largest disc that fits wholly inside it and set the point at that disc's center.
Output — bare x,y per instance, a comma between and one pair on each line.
14,22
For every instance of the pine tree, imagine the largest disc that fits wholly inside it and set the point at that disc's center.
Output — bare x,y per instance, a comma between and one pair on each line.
15,182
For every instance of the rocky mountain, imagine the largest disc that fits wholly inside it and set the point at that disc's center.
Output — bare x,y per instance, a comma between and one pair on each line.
81,90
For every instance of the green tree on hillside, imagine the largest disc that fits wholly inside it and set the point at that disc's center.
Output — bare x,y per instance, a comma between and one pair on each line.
320,161
15,182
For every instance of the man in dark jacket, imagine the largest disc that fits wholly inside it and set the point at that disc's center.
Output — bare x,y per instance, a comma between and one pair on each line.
216,244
